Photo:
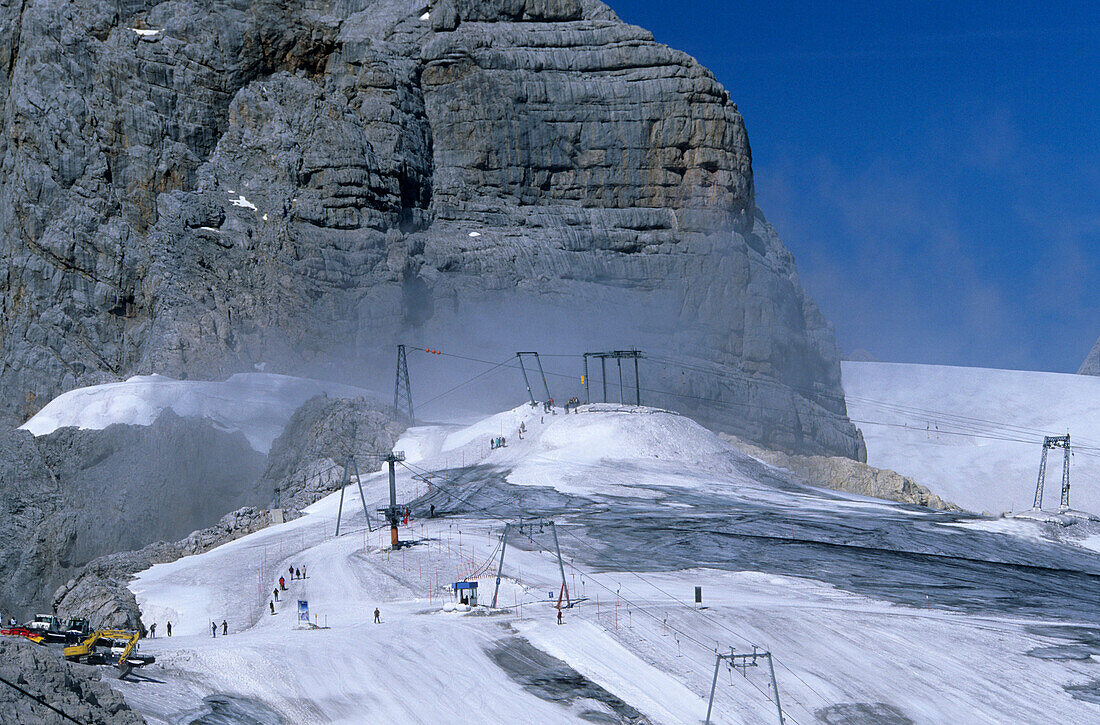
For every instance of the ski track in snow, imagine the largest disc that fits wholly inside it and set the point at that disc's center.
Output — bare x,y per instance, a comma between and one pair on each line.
868,606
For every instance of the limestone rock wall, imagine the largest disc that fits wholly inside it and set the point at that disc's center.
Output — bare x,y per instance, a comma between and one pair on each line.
195,187
844,474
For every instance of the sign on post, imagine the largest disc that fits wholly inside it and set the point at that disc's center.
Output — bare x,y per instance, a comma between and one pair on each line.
303,611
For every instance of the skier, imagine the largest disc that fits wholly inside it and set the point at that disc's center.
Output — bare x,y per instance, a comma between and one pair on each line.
303,571
225,628
377,616
272,605
291,572
297,574
276,593
168,627
153,630
213,630
559,617
282,584
431,512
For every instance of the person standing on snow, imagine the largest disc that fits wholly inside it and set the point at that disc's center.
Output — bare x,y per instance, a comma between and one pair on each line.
377,616
153,630
225,628
272,605
291,572
276,593
213,630
282,583
169,629
297,574
559,617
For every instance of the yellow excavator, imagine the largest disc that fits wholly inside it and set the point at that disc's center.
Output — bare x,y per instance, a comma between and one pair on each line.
116,647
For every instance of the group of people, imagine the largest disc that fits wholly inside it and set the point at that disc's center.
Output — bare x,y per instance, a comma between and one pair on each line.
498,442
294,573
574,403
153,630
548,406
213,629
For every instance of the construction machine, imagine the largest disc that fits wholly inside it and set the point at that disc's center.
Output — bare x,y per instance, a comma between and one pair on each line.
117,647
77,630
48,626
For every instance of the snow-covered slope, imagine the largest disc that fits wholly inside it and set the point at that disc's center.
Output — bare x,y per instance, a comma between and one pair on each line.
257,404
973,435
875,611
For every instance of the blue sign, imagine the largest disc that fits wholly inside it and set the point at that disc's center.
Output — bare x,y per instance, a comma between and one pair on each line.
465,585
303,611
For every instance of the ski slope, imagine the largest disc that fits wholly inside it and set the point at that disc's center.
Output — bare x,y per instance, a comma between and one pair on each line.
256,404
875,611
974,435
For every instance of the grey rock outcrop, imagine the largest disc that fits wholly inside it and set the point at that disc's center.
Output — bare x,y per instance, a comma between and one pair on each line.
304,465
74,689
71,496
1091,365
845,474
100,593
306,461
193,187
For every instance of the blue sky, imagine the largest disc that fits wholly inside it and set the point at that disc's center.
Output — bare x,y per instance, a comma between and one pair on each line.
934,167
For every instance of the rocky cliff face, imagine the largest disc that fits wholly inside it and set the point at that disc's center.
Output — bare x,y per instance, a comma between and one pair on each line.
76,690
1091,365
193,187
844,474
71,496
306,462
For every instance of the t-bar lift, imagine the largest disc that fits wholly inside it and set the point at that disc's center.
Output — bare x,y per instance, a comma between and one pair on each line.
519,527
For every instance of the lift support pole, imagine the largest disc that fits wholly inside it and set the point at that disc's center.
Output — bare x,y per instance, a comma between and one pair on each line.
349,464
561,568
618,356
500,566
1050,442
744,661
557,552
542,374
391,459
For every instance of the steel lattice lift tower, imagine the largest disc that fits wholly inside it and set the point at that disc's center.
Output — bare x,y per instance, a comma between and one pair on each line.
1050,442
402,393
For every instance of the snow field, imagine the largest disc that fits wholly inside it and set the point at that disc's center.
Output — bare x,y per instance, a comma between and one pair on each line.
257,404
636,634
962,460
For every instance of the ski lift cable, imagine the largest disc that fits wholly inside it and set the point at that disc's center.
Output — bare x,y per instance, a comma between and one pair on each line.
39,700
643,579
989,426
685,635
987,434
